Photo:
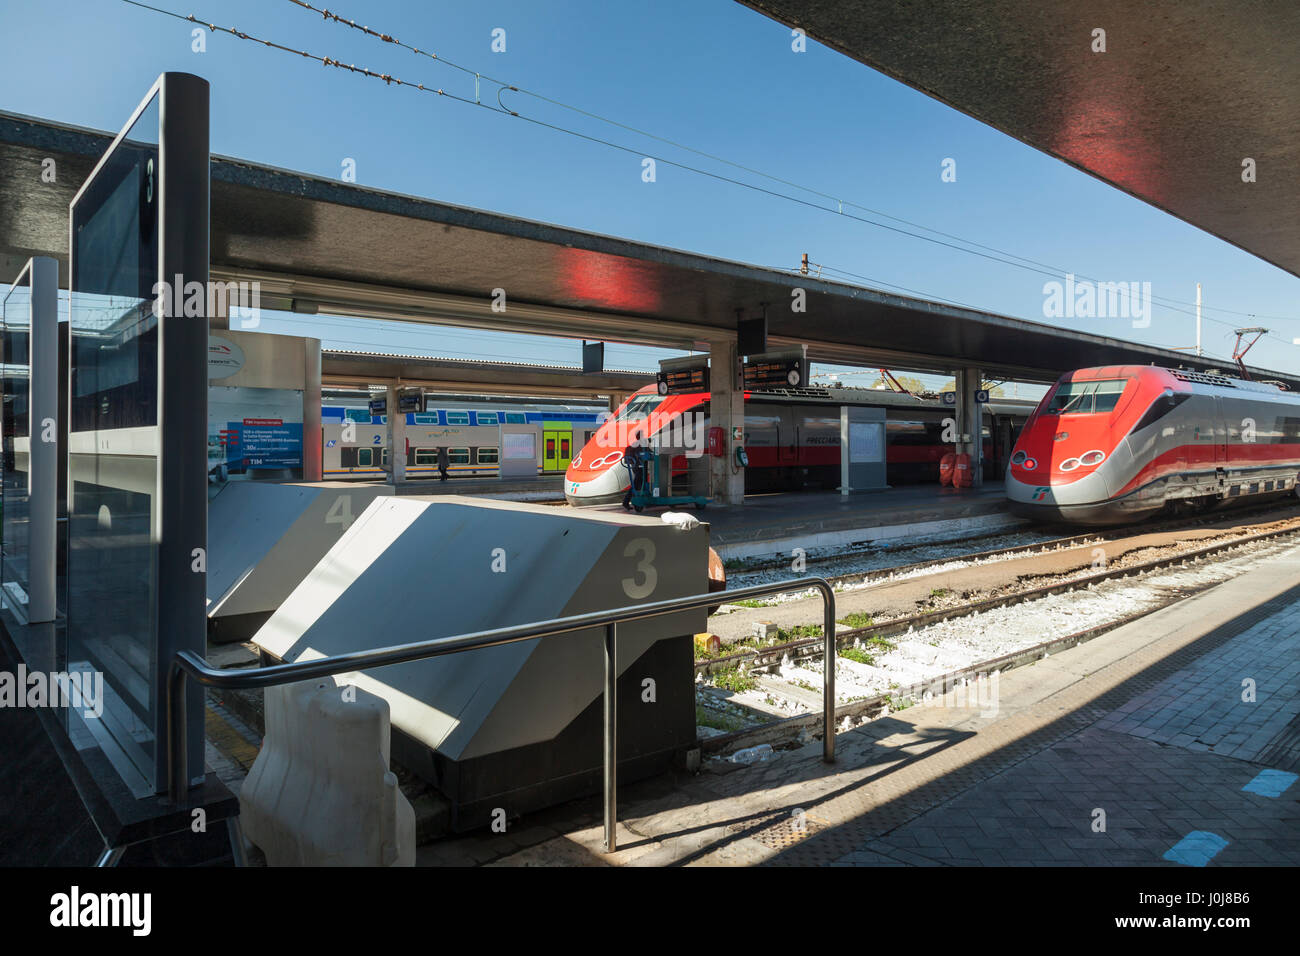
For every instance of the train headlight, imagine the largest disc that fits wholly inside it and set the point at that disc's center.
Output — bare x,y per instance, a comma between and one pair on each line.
1018,458
1094,457
1069,464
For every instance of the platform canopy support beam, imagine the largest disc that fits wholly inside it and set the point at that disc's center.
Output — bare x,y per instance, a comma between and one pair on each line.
726,411
396,436
970,420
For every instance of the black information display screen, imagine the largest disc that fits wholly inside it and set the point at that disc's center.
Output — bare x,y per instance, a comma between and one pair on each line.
684,381
775,373
113,441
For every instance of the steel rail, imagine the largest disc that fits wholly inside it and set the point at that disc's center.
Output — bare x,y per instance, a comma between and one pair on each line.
187,665
1102,535
765,655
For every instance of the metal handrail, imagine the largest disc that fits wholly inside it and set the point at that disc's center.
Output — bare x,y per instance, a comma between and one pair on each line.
188,664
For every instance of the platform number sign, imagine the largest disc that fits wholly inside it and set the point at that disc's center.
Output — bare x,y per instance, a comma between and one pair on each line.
982,396
949,398
642,550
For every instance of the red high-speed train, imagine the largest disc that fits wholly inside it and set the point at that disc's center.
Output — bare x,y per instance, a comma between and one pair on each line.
792,438
1115,444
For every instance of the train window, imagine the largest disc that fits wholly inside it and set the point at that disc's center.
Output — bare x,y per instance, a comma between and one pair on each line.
486,418
1086,398
361,415
364,459
516,418
458,418
383,457
639,407
487,456
426,456
458,456
426,418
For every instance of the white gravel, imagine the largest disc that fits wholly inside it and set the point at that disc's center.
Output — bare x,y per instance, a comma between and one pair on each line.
883,558
924,654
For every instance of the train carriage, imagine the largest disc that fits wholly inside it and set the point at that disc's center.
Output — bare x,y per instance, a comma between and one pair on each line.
792,438
1111,445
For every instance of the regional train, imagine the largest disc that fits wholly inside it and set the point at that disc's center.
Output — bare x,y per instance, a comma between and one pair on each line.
1112,445
792,438
355,442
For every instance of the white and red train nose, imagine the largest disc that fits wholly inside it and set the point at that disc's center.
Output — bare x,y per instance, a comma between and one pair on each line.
600,480
1039,489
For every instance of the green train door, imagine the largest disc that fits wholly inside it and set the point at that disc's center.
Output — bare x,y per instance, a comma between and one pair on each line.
557,446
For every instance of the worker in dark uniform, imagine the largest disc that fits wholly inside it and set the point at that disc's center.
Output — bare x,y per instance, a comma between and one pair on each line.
634,462
443,462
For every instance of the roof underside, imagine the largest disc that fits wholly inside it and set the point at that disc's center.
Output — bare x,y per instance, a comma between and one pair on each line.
318,244
1184,92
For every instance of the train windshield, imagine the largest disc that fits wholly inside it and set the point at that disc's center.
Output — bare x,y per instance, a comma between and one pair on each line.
1086,398
639,407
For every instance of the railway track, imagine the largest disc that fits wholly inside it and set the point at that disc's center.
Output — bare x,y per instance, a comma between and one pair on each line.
1038,547
775,652
756,661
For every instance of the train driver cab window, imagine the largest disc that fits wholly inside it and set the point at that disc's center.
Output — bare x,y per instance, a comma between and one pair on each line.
426,456
1086,398
487,456
639,407
458,456
364,457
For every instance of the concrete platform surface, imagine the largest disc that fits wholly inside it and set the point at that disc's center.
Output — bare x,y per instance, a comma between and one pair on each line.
769,523
1174,741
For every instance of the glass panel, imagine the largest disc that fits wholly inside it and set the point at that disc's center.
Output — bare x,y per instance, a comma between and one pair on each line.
516,418
15,324
638,407
458,456
113,440
1082,398
426,456
363,458
487,456
486,418
458,418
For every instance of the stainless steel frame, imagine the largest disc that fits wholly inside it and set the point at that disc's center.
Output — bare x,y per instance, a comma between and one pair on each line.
187,664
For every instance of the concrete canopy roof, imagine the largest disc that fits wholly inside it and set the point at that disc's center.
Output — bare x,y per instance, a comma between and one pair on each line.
1184,92
340,367
320,245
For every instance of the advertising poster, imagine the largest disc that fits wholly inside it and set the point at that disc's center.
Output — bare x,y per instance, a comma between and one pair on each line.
253,430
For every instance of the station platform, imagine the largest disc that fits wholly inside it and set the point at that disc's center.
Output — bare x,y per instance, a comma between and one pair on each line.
778,522
548,485
1171,741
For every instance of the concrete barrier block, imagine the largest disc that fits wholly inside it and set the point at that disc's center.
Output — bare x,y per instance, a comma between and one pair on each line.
320,792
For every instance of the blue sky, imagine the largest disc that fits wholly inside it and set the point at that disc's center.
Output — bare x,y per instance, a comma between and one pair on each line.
711,74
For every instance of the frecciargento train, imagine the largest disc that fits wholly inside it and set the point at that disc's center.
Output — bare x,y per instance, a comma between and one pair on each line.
1112,445
792,438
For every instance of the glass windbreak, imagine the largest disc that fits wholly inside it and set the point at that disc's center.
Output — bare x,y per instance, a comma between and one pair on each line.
113,437
15,440
1086,398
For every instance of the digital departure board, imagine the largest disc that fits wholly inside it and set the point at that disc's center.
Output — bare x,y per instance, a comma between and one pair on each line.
684,381
785,369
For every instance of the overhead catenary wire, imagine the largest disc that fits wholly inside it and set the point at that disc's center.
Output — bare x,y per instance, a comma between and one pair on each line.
839,200
390,79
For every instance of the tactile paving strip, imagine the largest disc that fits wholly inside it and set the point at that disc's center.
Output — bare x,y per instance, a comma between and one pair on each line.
781,831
